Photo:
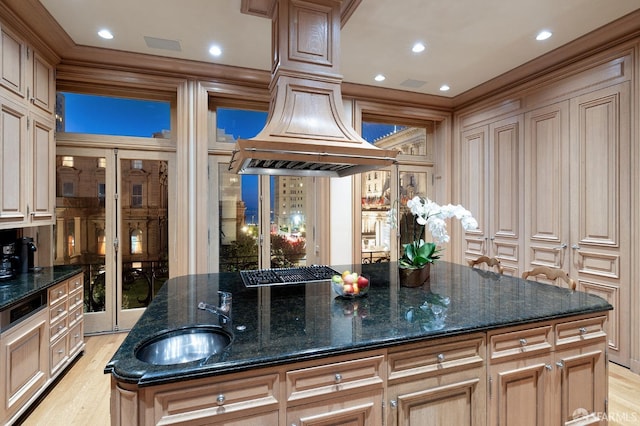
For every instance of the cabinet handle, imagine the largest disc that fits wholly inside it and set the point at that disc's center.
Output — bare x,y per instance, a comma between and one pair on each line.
523,342
548,367
60,310
59,293
60,352
560,364
338,377
582,330
561,246
440,357
60,327
220,399
575,246
393,403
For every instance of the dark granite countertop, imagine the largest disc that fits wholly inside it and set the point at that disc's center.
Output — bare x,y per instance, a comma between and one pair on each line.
281,324
22,286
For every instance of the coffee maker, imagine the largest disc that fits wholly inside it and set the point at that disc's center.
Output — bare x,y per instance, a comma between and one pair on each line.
25,250
8,261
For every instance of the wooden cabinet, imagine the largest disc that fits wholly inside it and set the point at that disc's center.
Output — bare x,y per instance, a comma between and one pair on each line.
66,316
546,373
491,175
578,153
552,374
27,128
345,391
441,382
24,369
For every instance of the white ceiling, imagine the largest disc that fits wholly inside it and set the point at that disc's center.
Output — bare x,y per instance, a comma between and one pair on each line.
468,41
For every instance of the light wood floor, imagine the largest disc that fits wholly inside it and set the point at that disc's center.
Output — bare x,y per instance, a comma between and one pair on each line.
81,397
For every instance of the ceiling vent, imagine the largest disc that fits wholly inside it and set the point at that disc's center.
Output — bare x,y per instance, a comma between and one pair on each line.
306,133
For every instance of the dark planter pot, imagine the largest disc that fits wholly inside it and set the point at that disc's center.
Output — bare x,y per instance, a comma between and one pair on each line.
414,277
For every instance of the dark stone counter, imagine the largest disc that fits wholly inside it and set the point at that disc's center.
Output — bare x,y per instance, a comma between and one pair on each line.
16,289
281,324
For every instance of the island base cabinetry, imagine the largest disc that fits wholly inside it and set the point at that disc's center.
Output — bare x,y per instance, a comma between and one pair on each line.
555,374
545,373
438,382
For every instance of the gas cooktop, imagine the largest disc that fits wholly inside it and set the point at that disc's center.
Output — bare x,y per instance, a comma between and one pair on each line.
276,276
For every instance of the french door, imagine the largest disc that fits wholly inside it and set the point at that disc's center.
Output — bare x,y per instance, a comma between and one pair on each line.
112,219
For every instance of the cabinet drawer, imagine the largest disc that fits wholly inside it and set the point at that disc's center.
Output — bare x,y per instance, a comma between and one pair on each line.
521,343
428,358
75,283
57,311
330,378
57,293
75,315
75,299
58,328
584,330
76,338
202,400
59,354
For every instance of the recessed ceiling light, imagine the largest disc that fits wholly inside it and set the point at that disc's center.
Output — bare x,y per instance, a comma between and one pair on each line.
105,34
543,35
215,51
444,88
418,47
379,77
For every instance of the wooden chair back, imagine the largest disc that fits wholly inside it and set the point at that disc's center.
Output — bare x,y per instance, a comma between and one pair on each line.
491,262
552,274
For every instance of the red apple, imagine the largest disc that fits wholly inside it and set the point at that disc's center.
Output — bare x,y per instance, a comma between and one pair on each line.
363,282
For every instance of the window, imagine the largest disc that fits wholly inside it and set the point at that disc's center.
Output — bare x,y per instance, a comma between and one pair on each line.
101,246
68,189
136,195
96,115
67,161
136,164
258,211
383,192
136,241
102,163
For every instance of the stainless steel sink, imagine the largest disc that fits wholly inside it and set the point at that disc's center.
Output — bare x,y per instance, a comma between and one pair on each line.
184,345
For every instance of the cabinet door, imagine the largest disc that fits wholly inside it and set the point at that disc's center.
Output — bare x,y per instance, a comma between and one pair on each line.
13,164
600,243
360,409
24,368
43,85
547,186
492,161
521,392
13,62
43,172
583,384
445,400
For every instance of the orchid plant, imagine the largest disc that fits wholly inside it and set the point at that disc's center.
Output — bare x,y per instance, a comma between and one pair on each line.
429,214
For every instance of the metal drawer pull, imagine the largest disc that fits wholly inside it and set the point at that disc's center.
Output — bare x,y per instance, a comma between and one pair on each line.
338,377
59,293
60,351
523,342
560,364
582,330
548,367
60,310
393,403
440,357
220,399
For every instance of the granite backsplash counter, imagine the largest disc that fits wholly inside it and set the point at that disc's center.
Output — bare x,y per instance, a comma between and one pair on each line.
290,323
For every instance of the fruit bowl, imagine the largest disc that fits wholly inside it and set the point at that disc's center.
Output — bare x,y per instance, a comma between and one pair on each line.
350,285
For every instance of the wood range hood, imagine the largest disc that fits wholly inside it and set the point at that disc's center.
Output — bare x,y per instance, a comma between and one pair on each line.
306,133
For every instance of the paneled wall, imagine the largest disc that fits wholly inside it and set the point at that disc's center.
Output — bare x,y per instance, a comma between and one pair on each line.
548,168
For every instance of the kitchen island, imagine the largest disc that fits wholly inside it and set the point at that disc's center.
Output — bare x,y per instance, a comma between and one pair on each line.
301,355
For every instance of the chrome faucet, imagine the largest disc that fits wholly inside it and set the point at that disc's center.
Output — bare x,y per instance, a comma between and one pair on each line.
223,310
